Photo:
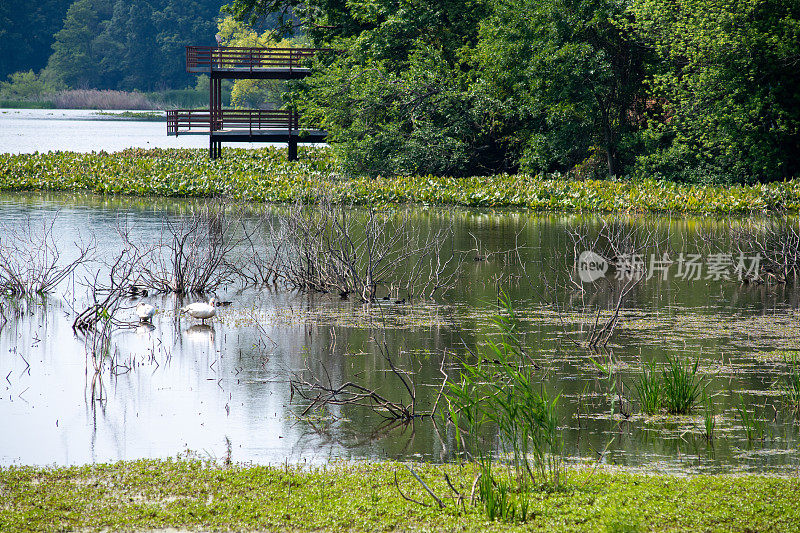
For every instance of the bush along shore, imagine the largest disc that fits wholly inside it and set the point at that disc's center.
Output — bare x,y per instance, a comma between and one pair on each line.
191,494
265,175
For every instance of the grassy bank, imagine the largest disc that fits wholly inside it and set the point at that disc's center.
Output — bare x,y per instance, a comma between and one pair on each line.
265,175
21,104
363,497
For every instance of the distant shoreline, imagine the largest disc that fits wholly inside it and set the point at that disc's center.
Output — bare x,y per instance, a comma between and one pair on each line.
96,99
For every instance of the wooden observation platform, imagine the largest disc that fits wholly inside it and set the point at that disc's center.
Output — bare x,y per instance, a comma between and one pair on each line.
248,125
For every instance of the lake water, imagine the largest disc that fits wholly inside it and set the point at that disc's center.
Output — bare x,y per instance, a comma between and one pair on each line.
77,130
224,388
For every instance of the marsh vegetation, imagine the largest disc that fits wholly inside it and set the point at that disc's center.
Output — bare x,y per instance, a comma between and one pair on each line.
264,175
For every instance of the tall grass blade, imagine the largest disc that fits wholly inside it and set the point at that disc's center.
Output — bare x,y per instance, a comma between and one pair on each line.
649,389
682,386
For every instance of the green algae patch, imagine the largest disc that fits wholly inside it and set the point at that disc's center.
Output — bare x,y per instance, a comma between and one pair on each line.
265,175
198,495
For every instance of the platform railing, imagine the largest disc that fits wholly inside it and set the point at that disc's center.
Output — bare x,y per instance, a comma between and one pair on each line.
184,120
234,57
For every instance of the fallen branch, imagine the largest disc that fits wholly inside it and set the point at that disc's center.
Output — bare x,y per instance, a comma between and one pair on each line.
412,500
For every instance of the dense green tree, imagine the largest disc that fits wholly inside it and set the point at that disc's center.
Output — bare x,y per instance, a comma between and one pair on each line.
726,90
401,98
26,33
476,86
75,57
561,79
180,24
130,58
22,86
131,44
694,89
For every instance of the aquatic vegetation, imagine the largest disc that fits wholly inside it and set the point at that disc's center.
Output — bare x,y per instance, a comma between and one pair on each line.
100,99
500,498
265,175
22,104
682,386
504,391
753,427
133,115
649,389
195,495
709,421
791,381
676,389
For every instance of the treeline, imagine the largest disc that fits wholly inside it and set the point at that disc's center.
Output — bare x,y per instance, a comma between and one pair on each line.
693,90
104,44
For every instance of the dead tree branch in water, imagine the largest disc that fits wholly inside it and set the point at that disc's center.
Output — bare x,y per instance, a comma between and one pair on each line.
339,249
347,394
192,254
265,243
323,392
758,250
31,259
106,298
596,300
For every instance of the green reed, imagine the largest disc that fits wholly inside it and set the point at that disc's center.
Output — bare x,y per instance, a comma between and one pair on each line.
682,386
791,382
649,389
709,421
500,499
503,393
753,427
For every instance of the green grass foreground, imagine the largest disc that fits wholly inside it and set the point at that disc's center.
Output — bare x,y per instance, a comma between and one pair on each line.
190,494
265,175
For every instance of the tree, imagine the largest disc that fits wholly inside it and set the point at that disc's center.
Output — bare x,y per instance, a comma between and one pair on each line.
131,44
75,57
26,33
130,53
22,86
399,99
253,93
562,79
471,87
690,89
181,23
727,88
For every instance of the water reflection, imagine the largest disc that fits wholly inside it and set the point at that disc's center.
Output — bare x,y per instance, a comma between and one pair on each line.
145,329
222,388
200,333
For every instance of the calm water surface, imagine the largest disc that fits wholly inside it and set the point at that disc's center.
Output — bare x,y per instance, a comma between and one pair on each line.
224,388
77,130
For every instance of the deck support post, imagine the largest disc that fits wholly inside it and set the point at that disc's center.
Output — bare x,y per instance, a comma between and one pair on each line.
214,114
214,148
294,125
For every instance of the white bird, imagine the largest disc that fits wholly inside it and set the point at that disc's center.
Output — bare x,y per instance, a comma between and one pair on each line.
201,310
145,311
